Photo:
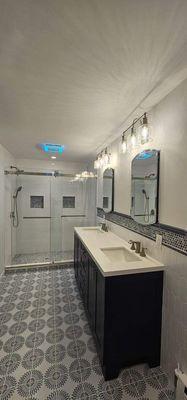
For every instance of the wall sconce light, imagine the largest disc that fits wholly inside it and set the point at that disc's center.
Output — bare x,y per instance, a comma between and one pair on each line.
130,139
105,157
123,144
97,163
103,160
145,130
133,137
84,175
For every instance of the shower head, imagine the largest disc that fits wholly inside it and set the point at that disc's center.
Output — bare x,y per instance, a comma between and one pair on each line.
16,192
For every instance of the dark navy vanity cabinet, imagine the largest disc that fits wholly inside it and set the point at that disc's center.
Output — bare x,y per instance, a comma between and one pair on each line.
124,311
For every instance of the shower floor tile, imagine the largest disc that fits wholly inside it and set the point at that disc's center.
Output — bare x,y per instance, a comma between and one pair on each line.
42,257
46,347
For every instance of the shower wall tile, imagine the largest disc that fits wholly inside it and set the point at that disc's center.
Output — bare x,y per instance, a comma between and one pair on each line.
33,236
68,224
34,189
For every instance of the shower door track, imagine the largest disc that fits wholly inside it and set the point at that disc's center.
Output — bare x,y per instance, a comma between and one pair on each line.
56,174
64,263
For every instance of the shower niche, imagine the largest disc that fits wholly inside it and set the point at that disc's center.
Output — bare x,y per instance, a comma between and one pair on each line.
36,201
145,186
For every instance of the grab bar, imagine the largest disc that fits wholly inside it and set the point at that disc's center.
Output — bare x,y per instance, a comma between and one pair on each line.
75,215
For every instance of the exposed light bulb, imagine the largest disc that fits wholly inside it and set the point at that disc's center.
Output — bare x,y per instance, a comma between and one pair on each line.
105,158
84,174
96,164
145,134
133,138
124,144
101,161
109,160
53,157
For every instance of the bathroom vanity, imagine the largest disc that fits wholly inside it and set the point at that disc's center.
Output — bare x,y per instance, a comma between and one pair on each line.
122,295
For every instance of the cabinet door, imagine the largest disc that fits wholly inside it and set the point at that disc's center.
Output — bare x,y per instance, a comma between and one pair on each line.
92,282
84,277
100,309
76,254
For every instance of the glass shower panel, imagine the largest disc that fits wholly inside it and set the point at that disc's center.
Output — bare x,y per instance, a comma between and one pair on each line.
68,209
55,222
31,231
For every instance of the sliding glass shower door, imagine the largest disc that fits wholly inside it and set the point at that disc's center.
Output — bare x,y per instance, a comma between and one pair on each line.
42,211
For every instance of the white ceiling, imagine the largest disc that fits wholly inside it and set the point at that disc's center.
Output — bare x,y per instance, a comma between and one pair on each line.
71,71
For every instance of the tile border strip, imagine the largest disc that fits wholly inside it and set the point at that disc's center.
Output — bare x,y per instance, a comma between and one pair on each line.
174,238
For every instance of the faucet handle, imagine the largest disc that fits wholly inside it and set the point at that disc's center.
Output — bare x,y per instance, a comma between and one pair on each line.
142,252
138,246
132,242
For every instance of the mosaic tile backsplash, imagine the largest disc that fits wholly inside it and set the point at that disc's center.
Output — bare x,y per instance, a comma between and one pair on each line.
174,238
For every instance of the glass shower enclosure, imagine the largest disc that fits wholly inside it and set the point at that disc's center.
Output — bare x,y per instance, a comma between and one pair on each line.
44,209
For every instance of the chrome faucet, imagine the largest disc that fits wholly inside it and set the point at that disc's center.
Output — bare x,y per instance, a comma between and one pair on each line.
138,247
104,226
132,244
142,252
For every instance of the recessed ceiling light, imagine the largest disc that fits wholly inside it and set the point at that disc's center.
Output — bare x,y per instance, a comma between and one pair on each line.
53,157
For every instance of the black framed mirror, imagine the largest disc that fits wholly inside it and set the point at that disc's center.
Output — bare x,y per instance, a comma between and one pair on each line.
108,190
144,187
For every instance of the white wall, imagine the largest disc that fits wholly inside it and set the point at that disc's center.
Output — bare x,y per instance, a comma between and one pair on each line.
7,187
169,123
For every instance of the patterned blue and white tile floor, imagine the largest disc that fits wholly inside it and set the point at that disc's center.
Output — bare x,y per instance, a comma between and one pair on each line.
47,350
42,257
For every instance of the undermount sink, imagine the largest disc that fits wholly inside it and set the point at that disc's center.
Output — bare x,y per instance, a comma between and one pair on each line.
120,255
94,229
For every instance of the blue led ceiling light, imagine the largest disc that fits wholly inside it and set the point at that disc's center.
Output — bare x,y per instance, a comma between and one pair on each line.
51,148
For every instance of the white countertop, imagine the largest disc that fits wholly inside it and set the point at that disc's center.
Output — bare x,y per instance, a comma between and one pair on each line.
94,241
